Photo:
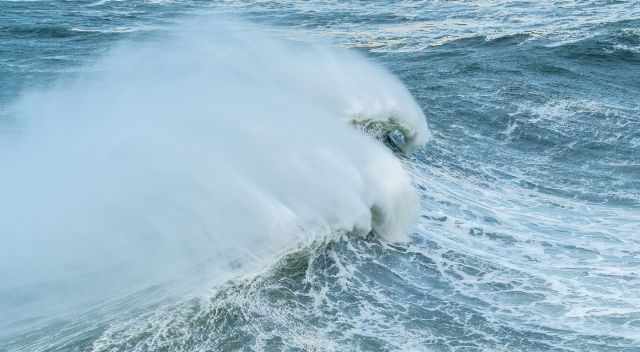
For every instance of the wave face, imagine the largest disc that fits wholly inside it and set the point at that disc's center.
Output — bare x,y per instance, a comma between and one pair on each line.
180,182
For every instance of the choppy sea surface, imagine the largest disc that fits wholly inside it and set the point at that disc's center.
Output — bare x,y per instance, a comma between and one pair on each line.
527,236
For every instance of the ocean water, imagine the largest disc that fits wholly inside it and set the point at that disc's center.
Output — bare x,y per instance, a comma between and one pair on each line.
183,176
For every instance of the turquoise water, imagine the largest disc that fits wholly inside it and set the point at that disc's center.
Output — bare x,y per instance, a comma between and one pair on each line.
526,236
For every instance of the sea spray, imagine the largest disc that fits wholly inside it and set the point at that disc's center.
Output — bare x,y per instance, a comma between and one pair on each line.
214,145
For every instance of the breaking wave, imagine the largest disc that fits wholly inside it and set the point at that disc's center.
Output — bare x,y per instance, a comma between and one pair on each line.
212,149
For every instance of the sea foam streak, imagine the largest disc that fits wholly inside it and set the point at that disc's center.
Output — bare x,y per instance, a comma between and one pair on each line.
214,145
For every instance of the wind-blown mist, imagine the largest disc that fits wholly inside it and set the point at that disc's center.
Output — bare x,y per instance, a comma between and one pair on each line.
213,145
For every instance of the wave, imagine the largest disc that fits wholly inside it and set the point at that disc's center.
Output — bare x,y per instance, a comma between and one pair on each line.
212,150
40,32
61,32
283,308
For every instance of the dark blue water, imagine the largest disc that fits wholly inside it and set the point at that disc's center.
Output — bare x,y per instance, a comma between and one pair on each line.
528,237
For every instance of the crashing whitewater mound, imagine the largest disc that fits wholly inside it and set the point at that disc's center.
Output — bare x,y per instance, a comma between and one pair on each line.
187,158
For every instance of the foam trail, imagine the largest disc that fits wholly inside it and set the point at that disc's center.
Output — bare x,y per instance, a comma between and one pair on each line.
214,145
